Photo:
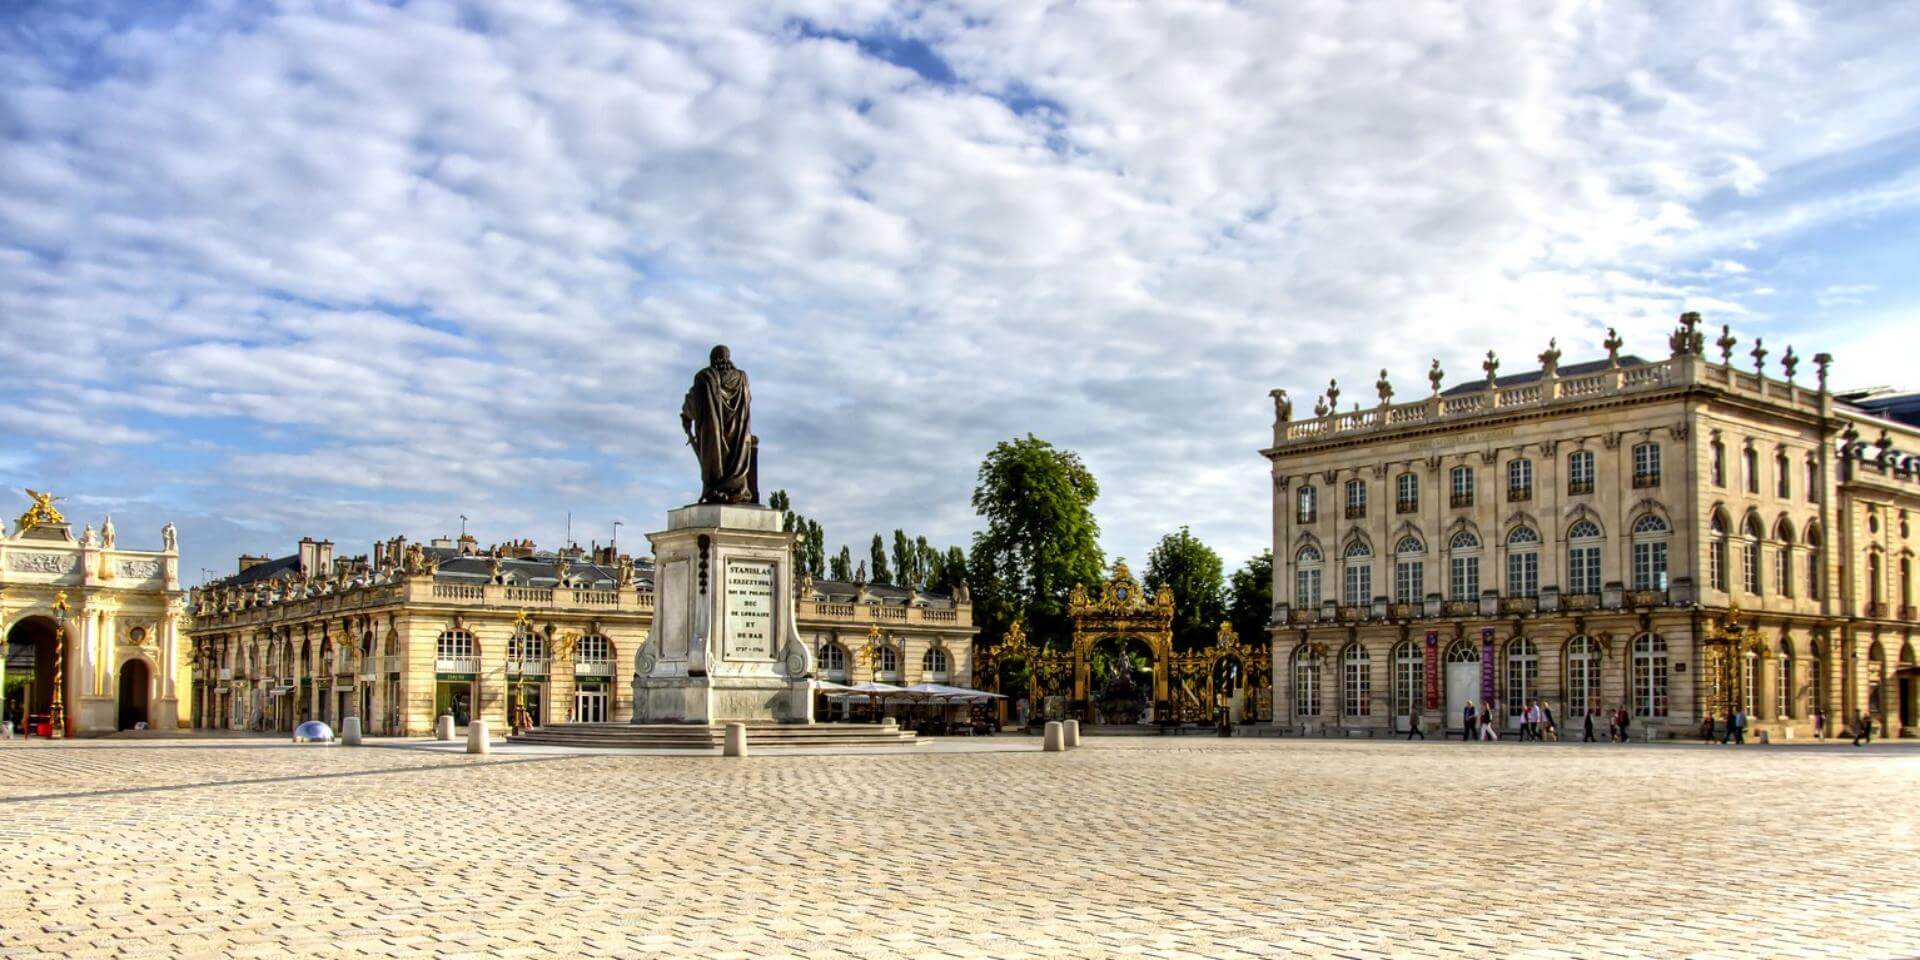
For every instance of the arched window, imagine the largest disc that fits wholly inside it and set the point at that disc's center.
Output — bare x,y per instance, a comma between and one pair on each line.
1583,557
1463,566
593,655
1409,678
1523,675
833,662
1650,534
886,664
1816,574
1359,574
1409,570
1406,493
1646,464
527,645
454,653
1356,681
1783,705
1783,564
934,664
1580,472
1520,479
1649,676
1523,562
1356,499
1717,551
1583,676
1460,483
1750,555
1306,578
1306,683
1306,505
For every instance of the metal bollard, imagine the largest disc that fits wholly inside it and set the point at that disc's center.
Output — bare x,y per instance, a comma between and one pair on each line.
477,741
735,744
1073,733
350,731
1056,738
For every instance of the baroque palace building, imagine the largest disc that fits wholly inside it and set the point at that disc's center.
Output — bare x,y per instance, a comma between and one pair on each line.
1678,536
412,631
92,629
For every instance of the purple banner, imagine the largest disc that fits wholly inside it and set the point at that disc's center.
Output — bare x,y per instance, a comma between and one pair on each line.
1486,664
1432,669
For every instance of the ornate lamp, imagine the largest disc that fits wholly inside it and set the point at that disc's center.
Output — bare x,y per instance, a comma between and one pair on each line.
516,668
57,713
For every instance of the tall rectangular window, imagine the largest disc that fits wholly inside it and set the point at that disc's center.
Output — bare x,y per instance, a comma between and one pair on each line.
1409,581
1813,479
1583,569
1580,472
1646,465
1750,464
1520,480
1461,484
1523,574
1650,565
1465,576
1356,499
1783,475
1717,463
1307,506
1359,584
1306,588
1406,493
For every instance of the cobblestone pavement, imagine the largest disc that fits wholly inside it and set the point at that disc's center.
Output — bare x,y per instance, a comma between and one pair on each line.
1127,847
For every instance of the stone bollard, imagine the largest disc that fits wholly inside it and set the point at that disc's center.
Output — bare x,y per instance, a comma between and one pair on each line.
350,731
1072,733
1056,738
443,727
477,741
735,744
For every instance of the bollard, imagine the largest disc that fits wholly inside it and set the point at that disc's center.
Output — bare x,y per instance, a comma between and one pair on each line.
1072,732
735,744
443,727
350,731
477,737
1056,739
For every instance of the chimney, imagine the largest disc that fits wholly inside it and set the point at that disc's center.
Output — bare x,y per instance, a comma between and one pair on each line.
323,557
443,543
248,561
309,556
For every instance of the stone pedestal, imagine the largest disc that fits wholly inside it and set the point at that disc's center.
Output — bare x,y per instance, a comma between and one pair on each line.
723,645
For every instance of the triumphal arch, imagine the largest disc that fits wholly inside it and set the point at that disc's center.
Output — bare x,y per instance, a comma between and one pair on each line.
90,629
1122,610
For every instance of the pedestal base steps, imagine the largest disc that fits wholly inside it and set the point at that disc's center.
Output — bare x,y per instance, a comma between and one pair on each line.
672,736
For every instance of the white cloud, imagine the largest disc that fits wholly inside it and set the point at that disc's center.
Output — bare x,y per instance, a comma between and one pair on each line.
341,267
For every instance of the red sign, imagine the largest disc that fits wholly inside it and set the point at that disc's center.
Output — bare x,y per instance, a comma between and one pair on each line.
1432,669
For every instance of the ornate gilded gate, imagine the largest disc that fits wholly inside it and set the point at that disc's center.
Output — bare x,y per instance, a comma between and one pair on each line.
1732,652
1200,688
1123,609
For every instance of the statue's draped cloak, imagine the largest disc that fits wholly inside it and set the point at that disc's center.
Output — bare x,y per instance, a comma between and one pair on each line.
718,406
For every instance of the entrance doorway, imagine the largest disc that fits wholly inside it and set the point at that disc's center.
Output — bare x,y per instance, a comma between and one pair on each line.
1463,681
590,703
455,696
530,700
29,654
135,684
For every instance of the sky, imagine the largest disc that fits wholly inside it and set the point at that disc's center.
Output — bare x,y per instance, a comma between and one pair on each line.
353,270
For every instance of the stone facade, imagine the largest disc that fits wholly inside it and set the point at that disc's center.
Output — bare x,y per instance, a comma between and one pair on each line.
1677,536
120,657
398,637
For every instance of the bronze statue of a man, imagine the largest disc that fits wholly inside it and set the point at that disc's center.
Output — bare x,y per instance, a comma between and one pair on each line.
716,418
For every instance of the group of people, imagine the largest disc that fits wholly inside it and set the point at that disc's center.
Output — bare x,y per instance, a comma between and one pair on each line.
1478,723
1733,729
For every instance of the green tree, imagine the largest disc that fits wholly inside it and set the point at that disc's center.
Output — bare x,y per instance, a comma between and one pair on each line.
842,566
1250,597
1193,570
903,559
879,573
1040,539
816,542
953,570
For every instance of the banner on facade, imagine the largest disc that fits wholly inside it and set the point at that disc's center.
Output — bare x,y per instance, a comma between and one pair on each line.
1486,664
1432,670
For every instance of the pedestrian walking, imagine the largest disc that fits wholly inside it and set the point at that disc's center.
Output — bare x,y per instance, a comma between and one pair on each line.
1487,733
1468,729
1739,726
1546,717
1819,724
1624,719
1591,713
1726,730
1413,722
1527,715
1863,729
1707,728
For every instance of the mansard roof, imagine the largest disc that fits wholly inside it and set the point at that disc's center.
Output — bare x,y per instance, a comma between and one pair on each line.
1532,376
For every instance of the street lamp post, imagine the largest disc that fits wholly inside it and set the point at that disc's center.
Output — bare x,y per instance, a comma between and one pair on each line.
517,669
57,713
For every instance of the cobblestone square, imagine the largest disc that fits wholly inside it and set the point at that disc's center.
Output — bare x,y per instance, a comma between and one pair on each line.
1126,847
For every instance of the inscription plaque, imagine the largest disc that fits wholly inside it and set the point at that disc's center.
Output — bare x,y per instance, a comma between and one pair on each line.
749,610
